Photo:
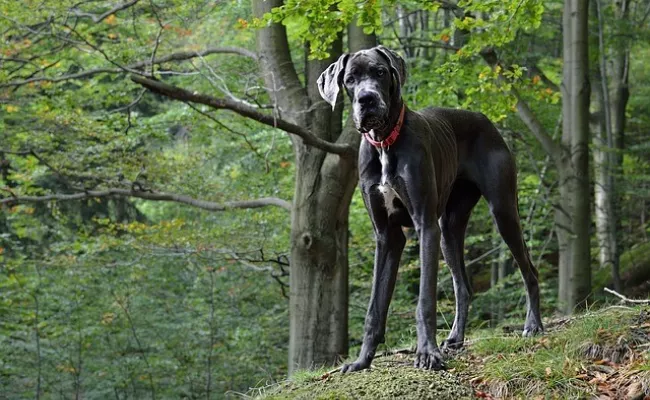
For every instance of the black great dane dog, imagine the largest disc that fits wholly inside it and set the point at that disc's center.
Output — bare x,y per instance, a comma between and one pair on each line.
425,169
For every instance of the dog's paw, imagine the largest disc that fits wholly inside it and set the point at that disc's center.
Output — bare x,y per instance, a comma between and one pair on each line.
355,366
452,343
532,330
429,358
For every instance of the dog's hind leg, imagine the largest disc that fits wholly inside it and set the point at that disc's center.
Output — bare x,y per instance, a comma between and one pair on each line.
464,196
501,196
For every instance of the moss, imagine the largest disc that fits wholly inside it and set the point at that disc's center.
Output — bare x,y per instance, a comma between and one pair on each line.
607,346
635,261
509,366
390,378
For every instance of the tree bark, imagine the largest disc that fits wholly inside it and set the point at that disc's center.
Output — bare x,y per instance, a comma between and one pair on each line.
605,157
618,98
325,182
603,186
573,209
319,269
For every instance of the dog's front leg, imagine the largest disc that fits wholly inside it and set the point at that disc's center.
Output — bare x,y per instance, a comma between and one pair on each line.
390,244
418,189
428,354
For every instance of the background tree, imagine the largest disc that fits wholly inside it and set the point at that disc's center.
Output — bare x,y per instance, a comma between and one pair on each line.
573,214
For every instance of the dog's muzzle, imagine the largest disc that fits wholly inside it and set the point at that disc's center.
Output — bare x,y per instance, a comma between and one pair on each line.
369,111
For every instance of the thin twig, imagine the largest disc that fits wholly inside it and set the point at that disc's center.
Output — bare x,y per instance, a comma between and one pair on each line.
101,17
143,354
482,256
626,299
226,127
179,56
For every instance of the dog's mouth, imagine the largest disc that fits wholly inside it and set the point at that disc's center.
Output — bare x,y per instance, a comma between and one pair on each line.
371,120
375,123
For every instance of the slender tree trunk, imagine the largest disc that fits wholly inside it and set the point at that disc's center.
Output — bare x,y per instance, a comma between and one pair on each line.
603,188
564,207
405,30
425,16
500,270
573,209
604,156
618,98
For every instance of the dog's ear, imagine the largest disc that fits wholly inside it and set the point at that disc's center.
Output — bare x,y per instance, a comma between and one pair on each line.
397,64
330,81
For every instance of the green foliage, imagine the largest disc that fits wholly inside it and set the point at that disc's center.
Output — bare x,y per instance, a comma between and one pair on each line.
319,22
132,298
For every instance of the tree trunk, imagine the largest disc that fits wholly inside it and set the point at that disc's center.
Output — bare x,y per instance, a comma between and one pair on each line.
573,208
603,185
404,30
618,97
603,157
500,270
325,182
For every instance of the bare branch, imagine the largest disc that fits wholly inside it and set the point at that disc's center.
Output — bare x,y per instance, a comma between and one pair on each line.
156,196
98,18
552,148
179,56
308,138
625,299
482,256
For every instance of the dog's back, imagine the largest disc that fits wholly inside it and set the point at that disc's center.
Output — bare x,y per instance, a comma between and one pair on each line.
466,125
472,132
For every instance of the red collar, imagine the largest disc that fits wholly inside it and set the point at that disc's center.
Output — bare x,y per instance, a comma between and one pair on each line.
392,138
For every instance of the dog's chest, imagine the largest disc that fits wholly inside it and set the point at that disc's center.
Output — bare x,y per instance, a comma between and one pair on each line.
385,189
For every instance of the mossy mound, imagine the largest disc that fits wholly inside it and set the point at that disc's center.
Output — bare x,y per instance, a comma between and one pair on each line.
391,377
634,271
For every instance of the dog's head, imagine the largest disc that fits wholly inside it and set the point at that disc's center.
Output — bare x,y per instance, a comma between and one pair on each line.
372,78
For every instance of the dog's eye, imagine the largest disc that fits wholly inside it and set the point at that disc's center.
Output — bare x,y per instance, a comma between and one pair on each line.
349,80
380,72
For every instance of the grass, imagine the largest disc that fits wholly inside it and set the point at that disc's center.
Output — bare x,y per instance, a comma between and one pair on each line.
567,362
391,377
601,353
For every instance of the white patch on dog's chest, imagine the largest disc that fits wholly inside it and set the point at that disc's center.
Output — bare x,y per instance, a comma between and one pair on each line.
384,188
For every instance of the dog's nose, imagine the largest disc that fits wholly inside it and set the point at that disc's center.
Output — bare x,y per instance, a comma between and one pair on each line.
367,99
